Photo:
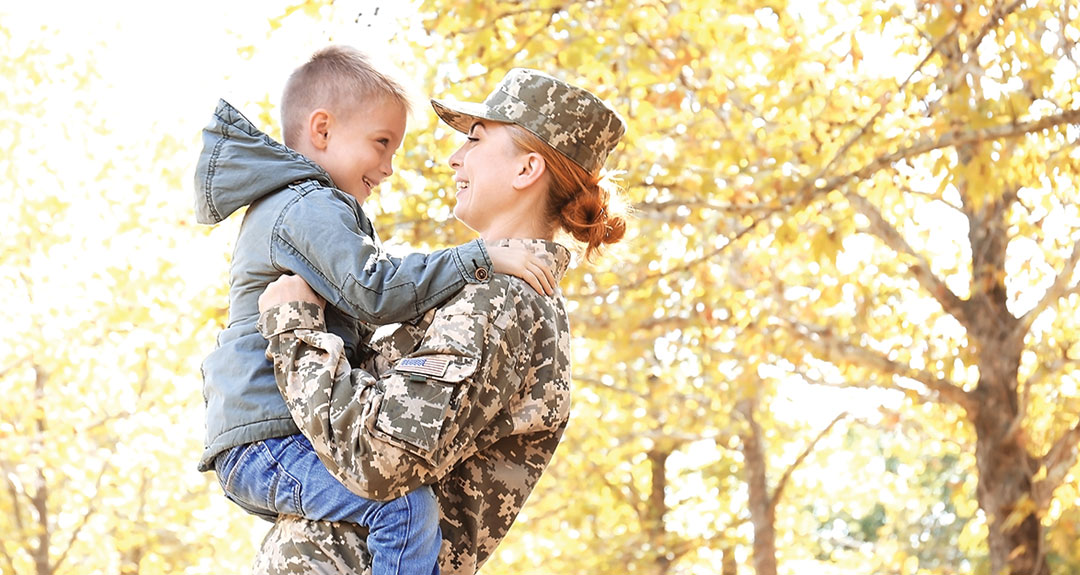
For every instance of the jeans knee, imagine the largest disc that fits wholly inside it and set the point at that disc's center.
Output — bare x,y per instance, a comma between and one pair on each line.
422,503
416,512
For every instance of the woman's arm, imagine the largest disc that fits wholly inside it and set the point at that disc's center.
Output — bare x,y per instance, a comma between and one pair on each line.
298,546
384,437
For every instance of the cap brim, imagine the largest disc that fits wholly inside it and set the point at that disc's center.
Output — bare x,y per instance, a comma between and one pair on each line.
462,115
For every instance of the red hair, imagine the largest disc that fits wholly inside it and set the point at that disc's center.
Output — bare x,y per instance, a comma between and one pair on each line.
577,201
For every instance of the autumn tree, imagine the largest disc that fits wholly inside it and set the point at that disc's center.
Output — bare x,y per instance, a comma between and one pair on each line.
97,433
815,127
960,168
657,361
874,201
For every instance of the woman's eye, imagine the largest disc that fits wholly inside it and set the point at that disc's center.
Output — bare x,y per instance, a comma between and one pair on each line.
472,139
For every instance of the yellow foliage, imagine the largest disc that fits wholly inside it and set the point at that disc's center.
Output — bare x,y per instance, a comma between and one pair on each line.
742,274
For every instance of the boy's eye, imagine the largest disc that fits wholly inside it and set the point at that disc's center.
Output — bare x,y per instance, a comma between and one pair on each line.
384,141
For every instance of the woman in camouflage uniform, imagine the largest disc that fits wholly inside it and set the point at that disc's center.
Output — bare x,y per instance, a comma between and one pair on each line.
474,400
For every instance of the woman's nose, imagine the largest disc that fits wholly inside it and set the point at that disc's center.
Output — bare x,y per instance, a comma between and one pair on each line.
455,158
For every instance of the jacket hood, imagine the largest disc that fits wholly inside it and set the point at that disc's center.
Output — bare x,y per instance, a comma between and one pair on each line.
240,164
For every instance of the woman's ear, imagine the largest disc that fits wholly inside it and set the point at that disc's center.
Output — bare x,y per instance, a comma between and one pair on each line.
531,168
318,128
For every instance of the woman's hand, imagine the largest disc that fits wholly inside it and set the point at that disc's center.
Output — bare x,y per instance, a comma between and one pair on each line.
524,264
288,288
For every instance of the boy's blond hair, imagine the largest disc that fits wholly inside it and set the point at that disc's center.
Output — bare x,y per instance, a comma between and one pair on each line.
340,79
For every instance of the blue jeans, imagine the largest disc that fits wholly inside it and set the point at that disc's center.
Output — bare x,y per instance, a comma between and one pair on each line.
284,476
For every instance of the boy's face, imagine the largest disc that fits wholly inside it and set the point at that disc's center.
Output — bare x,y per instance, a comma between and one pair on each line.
360,147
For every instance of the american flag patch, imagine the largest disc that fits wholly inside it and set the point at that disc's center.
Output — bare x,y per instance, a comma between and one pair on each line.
431,365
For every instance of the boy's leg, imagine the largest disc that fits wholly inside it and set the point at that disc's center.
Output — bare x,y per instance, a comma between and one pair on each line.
414,519
251,478
404,536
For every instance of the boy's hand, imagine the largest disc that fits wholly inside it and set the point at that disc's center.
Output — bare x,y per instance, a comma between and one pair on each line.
288,288
524,264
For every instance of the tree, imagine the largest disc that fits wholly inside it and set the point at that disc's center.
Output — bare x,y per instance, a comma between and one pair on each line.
660,355
861,199
97,430
990,148
805,134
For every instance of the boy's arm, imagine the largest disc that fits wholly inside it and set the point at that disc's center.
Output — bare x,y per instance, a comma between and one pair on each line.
320,238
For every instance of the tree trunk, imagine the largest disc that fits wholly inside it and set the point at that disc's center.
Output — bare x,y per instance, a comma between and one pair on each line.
1005,467
1005,483
762,510
728,565
657,510
40,498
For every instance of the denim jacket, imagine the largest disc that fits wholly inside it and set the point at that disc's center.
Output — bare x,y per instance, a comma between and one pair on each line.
297,222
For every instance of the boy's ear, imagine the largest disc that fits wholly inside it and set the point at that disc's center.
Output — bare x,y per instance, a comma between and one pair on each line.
318,128
531,168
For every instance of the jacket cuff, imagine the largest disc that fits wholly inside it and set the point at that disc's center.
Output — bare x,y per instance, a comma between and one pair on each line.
474,262
291,316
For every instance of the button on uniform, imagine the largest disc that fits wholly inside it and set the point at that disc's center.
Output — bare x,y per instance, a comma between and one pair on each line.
482,274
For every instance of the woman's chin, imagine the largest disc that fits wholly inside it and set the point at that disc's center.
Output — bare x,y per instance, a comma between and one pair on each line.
463,217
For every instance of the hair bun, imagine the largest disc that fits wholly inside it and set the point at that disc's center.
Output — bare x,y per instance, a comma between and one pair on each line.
614,229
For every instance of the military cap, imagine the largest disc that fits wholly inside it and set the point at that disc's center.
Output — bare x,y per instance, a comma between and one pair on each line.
572,120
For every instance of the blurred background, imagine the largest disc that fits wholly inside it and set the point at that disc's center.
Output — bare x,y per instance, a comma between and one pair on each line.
841,336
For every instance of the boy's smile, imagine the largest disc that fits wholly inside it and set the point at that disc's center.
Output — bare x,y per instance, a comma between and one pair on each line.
360,147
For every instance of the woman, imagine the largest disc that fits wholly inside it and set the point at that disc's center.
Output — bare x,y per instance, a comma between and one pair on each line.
475,402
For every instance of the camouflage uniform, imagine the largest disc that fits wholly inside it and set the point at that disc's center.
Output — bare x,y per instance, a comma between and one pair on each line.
475,406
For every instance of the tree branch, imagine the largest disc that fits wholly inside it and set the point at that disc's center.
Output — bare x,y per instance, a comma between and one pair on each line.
1002,10
1036,378
1058,290
698,204
778,491
13,491
1061,457
507,14
14,366
677,440
818,187
610,387
90,509
952,305
884,99
1047,369
955,138
633,498
7,557
686,264
935,197
826,346
521,46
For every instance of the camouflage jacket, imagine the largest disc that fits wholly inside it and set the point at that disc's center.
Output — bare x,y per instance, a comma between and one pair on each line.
475,406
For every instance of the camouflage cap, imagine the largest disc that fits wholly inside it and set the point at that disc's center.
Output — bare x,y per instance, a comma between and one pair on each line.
572,120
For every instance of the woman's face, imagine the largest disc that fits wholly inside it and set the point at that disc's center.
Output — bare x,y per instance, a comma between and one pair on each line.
484,171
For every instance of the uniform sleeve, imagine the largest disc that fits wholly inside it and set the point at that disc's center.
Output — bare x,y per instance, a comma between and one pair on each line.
387,436
318,238
298,546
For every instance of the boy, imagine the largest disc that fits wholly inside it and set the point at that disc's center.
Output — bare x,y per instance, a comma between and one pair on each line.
342,122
